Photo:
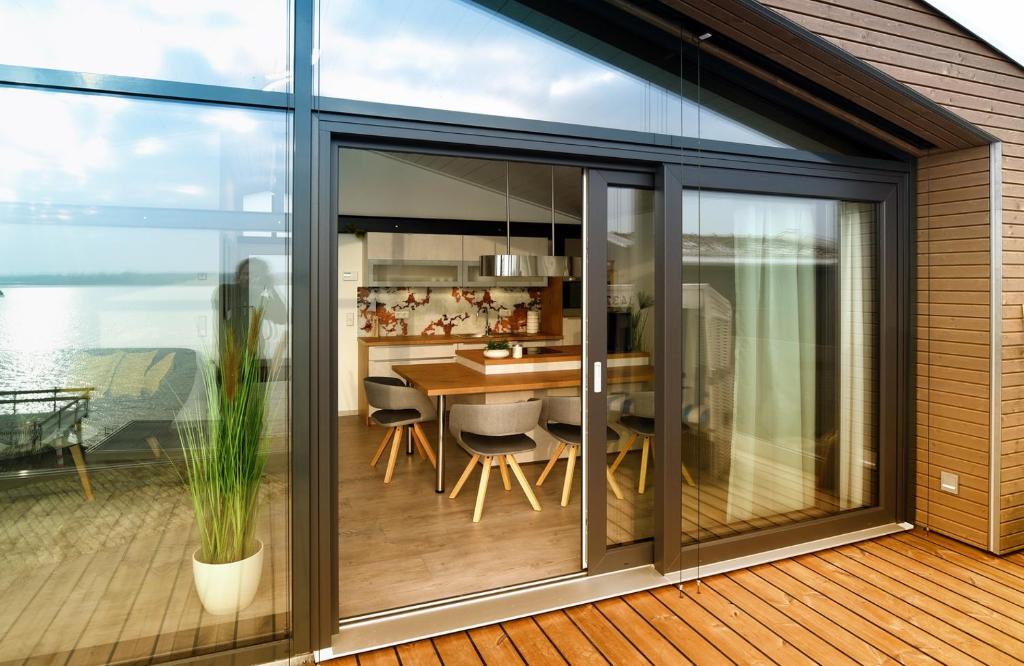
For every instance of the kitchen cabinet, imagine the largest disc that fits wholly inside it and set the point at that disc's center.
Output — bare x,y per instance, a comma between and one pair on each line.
442,260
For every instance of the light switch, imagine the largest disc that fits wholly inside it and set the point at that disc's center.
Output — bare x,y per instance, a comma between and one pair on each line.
350,319
949,482
350,276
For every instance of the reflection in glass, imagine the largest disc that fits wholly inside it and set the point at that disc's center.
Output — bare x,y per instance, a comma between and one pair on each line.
132,234
513,60
631,417
779,349
217,42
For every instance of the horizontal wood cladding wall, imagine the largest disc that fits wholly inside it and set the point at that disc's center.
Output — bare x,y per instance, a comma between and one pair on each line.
953,341
922,49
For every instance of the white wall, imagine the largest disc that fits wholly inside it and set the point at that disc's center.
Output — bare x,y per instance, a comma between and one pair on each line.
350,259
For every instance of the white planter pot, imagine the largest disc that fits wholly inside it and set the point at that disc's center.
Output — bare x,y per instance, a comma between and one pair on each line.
497,353
228,588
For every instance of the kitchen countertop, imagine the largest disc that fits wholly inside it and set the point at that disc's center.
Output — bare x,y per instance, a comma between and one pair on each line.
391,340
456,379
564,353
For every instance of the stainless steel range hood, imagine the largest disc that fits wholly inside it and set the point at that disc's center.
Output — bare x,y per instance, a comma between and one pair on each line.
524,265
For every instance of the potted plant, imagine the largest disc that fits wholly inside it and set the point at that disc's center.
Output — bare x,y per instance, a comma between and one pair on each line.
497,349
225,456
638,321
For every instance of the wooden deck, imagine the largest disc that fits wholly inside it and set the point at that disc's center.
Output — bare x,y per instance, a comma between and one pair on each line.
911,598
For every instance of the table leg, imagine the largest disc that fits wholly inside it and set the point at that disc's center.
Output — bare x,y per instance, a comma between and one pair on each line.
440,444
408,435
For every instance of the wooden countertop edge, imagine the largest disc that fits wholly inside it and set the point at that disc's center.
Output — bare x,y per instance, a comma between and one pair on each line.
526,381
415,340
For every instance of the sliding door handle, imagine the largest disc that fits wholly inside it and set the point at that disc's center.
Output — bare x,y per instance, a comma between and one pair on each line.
598,377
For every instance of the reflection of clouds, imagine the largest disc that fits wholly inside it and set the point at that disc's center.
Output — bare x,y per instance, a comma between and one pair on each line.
95,149
455,55
223,42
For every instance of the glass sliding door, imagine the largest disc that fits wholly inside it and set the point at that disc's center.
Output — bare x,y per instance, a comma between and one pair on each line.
619,358
780,361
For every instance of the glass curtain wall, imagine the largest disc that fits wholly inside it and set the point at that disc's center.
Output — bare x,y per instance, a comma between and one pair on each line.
779,351
136,235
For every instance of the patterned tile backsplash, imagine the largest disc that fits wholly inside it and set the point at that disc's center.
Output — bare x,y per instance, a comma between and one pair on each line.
444,310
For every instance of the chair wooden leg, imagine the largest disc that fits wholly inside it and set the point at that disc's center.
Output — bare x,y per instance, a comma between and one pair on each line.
505,481
613,484
644,455
521,478
570,467
686,475
396,441
380,448
485,474
625,449
465,476
551,464
83,475
154,446
417,430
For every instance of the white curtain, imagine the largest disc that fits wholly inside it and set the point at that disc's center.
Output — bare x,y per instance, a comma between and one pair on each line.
773,438
856,362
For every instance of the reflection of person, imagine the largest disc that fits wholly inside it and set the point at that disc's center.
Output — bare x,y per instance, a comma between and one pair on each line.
253,287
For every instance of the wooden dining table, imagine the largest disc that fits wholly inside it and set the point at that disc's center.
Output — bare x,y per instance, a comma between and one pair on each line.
446,379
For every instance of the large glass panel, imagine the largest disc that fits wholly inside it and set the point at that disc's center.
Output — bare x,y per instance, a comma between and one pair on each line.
415,313
779,352
585,63
218,42
133,236
631,365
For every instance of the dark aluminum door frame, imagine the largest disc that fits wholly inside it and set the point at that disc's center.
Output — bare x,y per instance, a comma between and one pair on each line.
888,183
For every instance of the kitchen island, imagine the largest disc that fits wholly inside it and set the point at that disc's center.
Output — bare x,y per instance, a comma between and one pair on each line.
444,380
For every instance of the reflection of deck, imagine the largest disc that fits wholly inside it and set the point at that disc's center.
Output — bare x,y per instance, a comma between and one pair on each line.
908,598
111,580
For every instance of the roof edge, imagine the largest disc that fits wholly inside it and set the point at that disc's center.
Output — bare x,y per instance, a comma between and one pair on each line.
883,78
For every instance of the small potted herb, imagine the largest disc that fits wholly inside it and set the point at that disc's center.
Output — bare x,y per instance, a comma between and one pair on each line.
497,349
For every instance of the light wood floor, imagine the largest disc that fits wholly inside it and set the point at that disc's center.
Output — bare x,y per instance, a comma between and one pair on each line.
912,598
110,581
402,544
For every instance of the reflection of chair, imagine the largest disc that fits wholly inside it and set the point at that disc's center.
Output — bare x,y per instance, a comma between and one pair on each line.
639,421
495,431
398,407
562,418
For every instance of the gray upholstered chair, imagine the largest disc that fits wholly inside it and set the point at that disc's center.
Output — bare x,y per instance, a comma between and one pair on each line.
489,432
398,407
562,418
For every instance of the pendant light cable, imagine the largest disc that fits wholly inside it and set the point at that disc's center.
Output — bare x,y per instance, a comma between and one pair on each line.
508,213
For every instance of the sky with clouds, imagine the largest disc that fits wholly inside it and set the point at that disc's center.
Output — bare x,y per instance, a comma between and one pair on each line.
996,21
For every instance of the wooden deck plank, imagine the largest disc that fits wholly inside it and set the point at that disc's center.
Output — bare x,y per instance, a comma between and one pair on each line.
603,634
572,643
797,610
532,643
494,645
730,615
420,653
457,649
950,617
382,657
877,614
646,636
877,638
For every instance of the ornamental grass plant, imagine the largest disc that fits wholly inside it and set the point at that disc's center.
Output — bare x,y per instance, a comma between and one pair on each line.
224,448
